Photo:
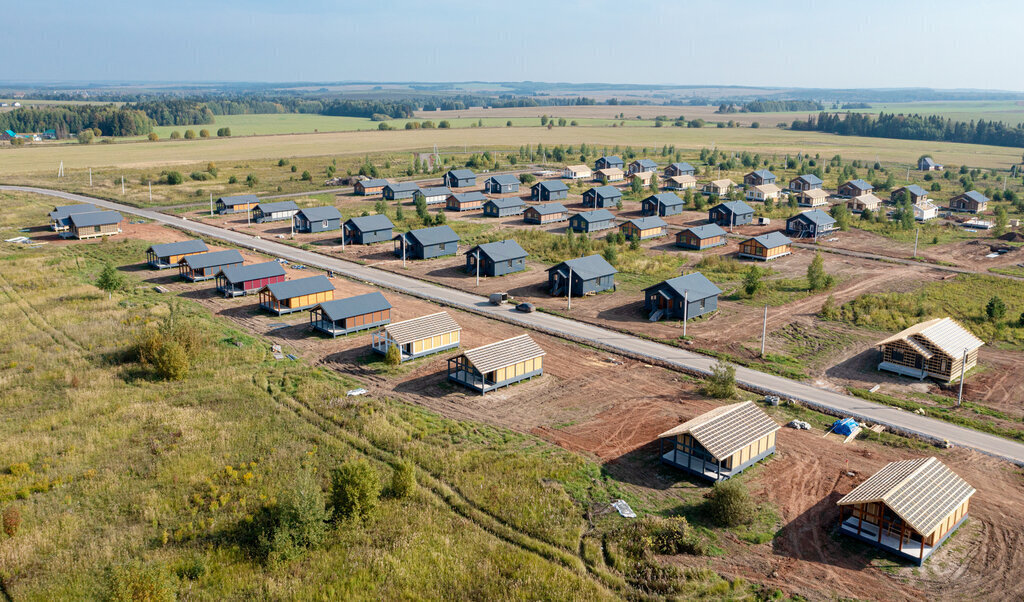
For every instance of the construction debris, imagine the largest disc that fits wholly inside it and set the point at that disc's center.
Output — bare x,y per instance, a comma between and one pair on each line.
799,425
623,509
356,392
772,400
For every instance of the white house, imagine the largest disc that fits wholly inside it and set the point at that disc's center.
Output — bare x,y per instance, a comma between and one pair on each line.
925,211
762,192
577,172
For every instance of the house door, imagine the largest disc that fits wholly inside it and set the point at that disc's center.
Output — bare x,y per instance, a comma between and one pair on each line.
919,362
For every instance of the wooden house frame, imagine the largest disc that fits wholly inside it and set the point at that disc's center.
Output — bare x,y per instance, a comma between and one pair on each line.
352,314
418,337
497,365
577,172
167,255
611,174
242,203
812,197
934,348
296,295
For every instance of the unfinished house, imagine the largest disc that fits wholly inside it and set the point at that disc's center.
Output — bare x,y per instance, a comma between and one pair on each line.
60,217
643,228
274,212
699,238
96,224
204,266
421,336
936,348
497,365
296,295
545,214
343,316
241,203
167,255
971,201
248,279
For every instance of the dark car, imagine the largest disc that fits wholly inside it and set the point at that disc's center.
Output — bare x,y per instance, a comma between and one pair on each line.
525,308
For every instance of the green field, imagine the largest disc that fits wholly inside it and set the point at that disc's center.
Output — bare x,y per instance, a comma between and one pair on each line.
1009,111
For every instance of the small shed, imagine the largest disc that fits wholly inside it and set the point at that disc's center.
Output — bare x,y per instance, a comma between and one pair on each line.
686,182
317,219
805,182
427,243
766,247
602,197
95,224
663,204
682,297
296,295
970,202
592,221
609,161
352,314
908,508
868,201
731,213
916,193
642,165
432,196
643,228
241,203
496,258
367,229
810,224
591,274
763,192
610,174
855,188
577,172
758,177
237,280
167,255
718,187
934,348
275,212
703,237
814,197
545,214
418,337
204,266
549,190
928,164
680,169
394,191
497,365
504,206
721,443
466,201
503,183
60,217
369,187
460,178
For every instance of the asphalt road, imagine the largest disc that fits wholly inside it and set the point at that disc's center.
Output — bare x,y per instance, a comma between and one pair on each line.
832,402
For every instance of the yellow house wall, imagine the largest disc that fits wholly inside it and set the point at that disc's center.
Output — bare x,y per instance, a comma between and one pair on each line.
304,300
752,450
518,369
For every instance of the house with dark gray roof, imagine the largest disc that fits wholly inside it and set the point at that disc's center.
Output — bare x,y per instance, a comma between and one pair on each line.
643,228
237,280
367,229
427,243
496,258
592,221
549,190
237,204
928,164
680,169
663,204
731,213
608,162
394,191
432,196
758,177
699,238
60,217
583,275
368,187
352,314
971,201
545,214
602,197
205,266
317,219
459,178
682,297
805,182
503,183
854,189
296,295
274,212
766,247
466,201
641,166
810,224
94,224
504,206
167,255
916,193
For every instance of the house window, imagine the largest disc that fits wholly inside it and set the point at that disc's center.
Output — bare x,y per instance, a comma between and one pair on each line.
324,224
441,246
96,228
702,304
897,355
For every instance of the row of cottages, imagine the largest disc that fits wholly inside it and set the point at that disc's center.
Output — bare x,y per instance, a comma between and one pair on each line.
766,247
504,183
239,280
926,163
397,191
93,224
460,178
680,169
367,229
577,172
418,337
290,296
592,221
699,238
498,364
275,212
167,255
545,214
496,258
681,298
504,207
610,174
763,192
317,219
344,316
642,166
205,266
758,177
435,195
718,187
805,182
370,187
609,162
466,201
581,276
643,228
242,203
814,197
970,202
602,197
810,224
854,189
731,213
60,217
550,190
686,182
427,243
663,204
940,348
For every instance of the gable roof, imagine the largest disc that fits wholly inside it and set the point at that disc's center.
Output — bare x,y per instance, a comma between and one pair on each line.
737,207
683,179
369,223
646,223
316,214
816,216
303,286
611,171
373,183
645,163
612,159
434,235
213,258
604,192
503,353
587,268
923,492
240,199
928,161
859,184
868,198
278,206
548,208
808,178
578,167
772,240
767,188
683,166
461,174
339,309
502,250
597,215
762,173
913,189
402,186
422,327
813,193
706,231
975,196
945,333
668,199
434,191
506,202
94,218
253,271
469,197
696,283
551,185
504,179
63,211
178,248
727,429
723,183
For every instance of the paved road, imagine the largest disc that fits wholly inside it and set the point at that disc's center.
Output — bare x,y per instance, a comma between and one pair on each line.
629,345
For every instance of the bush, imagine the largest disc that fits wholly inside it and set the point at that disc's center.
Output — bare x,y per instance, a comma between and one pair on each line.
721,383
171,361
753,280
295,168
153,137
393,356
355,489
201,176
204,133
281,532
190,134
995,309
85,137
232,180
729,504
135,581
403,480
306,176
251,180
527,178
175,135
11,520
224,132
174,178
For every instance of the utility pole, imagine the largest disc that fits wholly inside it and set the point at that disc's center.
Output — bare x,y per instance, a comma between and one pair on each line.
90,177
568,288
963,369
477,262
211,204
764,329
122,185
403,249
60,171
686,310
917,235
908,175
151,192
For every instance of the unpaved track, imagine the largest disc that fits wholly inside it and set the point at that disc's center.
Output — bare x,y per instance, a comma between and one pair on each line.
626,344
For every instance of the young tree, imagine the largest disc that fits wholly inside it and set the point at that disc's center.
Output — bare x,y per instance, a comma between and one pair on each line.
403,480
753,280
1002,220
817,279
355,489
251,180
171,361
110,279
611,254
721,383
654,184
841,214
995,309
636,186
393,356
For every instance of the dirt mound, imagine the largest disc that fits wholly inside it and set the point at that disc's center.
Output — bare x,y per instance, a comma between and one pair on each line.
1012,237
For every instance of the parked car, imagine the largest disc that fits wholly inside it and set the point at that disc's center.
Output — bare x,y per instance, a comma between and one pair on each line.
526,308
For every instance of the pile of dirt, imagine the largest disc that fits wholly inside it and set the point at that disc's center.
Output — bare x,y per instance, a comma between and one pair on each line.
1012,237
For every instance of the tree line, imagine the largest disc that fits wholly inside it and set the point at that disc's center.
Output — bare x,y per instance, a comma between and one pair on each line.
915,127
770,106
111,120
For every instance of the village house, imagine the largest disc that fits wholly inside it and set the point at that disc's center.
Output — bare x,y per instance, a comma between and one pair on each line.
680,169
460,178
317,219
418,337
498,364
241,203
663,204
550,190
766,247
60,217
758,177
641,166
394,191
545,214
971,201
681,298
587,275
731,213
609,174
204,266
718,187
763,192
686,182
915,192
367,229
95,224
643,228
868,201
504,183
925,210
291,296
592,221
504,207
810,224
609,161
466,201
274,212
699,238
935,348
854,189
815,197
238,280
434,195
427,243
167,255
496,258
352,314
577,172
805,182
602,197
645,177
369,187
926,163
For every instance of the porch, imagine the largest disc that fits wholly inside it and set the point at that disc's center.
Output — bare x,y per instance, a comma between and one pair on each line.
909,548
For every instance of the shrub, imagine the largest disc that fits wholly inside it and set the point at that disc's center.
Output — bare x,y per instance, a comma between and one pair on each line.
175,135
295,168
11,520
753,280
19,469
135,581
282,162
281,532
204,133
721,383
232,180
201,176
85,136
251,180
190,134
995,309
403,480
224,132
355,489
526,178
171,361
308,177
153,137
817,279
174,178
729,504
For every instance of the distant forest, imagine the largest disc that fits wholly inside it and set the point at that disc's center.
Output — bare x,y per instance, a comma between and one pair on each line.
915,127
69,120
771,106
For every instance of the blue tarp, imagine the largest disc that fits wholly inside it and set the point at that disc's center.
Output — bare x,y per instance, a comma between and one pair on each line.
844,426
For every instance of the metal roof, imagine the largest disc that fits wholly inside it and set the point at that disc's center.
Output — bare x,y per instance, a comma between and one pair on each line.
914,189
762,173
213,258
502,250
860,184
645,163
369,223
706,231
597,215
178,248
737,207
611,159
923,492
422,327
814,193
278,206
241,199
767,188
402,186
587,268
727,429
469,197
975,196
339,309
548,209
604,192
929,161
374,183
253,271
724,182
772,240
669,199
94,218
696,283
64,211
945,333
435,191
433,236
461,174
684,166
303,286
646,223
506,202
809,178
504,179
817,216
316,214
503,353
552,185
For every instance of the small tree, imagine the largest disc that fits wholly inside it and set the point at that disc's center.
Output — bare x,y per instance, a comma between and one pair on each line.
174,178
721,383
403,480
753,280
171,361
636,186
995,309
175,135
153,137
355,489
190,134
1002,221
729,504
399,212
611,254
841,214
85,137
526,178
306,176
394,356
110,279
204,133
251,180
817,279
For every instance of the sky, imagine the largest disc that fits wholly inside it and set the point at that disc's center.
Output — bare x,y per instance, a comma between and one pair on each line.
799,43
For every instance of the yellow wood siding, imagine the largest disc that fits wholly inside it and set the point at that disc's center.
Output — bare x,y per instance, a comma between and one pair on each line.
303,300
519,369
